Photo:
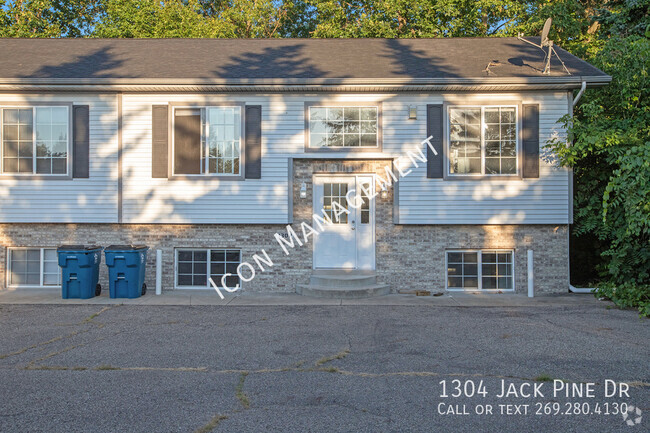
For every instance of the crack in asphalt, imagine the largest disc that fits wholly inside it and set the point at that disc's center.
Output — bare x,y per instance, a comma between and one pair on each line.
86,321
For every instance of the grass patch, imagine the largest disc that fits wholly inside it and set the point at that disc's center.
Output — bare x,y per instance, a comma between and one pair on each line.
239,391
106,367
543,378
342,354
211,424
54,368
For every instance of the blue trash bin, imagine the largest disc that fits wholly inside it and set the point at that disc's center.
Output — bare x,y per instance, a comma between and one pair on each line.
126,270
79,270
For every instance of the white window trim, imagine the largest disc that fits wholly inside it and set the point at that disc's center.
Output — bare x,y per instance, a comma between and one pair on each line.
377,145
208,285
205,131
41,265
480,269
482,174
68,161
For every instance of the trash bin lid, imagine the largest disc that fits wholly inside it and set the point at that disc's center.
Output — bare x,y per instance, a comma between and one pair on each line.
125,247
78,247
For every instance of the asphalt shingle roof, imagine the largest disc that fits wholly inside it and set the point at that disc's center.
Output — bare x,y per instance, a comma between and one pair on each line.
284,59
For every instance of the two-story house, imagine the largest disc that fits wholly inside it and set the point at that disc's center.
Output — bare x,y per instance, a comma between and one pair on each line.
205,149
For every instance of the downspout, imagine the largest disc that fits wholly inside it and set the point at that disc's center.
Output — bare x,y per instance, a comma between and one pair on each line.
575,101
583,87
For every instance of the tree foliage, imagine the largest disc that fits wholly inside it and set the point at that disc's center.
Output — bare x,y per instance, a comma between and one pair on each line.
611,152
610,133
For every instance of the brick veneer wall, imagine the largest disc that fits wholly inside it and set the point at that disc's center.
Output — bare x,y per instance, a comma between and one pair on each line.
407,256
413,256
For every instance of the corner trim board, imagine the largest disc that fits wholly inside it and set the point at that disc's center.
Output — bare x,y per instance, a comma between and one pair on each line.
119,158
290,191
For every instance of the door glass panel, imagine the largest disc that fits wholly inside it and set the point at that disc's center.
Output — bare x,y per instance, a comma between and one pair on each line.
334,201
365,205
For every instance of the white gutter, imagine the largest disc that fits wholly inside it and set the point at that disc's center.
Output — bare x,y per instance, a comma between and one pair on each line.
315,88
583,87
484,81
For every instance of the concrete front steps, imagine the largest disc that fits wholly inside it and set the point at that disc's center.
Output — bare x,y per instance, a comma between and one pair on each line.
343,284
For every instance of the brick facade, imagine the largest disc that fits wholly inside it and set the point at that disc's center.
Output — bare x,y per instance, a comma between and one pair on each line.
407,256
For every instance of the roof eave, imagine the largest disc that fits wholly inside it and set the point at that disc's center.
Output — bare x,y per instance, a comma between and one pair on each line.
300,84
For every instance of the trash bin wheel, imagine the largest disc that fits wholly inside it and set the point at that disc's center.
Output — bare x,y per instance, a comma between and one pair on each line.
98,289
144,289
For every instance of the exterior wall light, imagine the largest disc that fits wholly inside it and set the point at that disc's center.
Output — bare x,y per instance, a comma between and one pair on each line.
413,112
384,192
303,190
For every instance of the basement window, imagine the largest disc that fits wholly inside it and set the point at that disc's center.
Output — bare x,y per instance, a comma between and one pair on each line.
195,266
33,267
480,270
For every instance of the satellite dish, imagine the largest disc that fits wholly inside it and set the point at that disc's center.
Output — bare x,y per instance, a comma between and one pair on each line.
545,30
546,42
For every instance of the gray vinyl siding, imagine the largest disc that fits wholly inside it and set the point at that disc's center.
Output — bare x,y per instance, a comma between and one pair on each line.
214,200
91,200
543,200
201,199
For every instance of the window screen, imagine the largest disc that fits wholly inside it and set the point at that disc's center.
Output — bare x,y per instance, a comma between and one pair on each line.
343,127
483,140
207,140
34,267
480,270
35,140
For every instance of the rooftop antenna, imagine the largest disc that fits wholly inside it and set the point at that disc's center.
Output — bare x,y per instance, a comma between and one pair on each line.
546,43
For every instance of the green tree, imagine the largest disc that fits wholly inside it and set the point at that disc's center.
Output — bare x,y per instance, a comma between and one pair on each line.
413,18
48,18
611,151
154,19
201,19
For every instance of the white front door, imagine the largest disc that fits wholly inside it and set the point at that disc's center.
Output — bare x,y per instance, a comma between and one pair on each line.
349,242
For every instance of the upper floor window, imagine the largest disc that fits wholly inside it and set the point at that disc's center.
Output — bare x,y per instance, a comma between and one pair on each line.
482,141
207,140
35,140
343,127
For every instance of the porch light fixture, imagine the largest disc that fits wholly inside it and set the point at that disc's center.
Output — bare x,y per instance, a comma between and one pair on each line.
384,192
303,190
413,112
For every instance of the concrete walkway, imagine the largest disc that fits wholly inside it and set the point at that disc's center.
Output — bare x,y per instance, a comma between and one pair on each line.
210,297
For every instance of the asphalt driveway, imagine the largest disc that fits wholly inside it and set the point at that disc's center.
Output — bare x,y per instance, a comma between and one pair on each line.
108,368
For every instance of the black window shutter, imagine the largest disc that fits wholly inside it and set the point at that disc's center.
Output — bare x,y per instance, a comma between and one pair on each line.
81,141
435,130
530,141
253,143
187,144
159,141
